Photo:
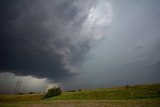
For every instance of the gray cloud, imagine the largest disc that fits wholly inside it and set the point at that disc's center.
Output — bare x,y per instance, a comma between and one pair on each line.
28,83
58,39
49,38
130,53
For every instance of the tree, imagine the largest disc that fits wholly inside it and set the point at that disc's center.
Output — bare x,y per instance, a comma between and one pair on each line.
53,92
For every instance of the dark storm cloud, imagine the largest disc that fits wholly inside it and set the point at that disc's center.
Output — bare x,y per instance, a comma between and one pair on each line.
131,52
42,38
55,39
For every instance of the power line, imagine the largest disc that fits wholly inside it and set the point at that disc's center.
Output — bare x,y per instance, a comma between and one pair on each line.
17,88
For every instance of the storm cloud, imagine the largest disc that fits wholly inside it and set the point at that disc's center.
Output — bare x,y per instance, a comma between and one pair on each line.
79,43
130,52
49,38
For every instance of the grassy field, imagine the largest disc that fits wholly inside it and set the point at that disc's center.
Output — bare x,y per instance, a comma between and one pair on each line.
87,103
118,93
20,98
147,95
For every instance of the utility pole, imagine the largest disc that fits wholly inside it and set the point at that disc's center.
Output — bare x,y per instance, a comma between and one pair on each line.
17,88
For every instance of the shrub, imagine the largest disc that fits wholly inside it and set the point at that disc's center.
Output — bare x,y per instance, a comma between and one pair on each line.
20,93
72,91
31,93
127,86
53,92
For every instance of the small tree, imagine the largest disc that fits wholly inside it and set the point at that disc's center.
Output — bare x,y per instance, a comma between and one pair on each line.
53,92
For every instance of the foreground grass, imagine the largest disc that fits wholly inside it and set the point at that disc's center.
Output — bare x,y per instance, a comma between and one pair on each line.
87,103
147,95
20,98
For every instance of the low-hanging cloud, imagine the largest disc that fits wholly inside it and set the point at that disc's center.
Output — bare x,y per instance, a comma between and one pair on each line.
50,38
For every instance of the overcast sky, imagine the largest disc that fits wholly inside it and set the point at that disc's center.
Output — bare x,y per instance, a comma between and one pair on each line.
78,44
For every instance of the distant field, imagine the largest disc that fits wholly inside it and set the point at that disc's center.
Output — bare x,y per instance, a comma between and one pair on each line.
147,95
131,92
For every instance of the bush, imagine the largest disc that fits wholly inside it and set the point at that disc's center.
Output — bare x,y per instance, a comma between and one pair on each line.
72,91
20,93
53,92
31,93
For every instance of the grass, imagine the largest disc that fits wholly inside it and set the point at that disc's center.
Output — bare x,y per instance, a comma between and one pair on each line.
147,95
133,92
87,103
20,98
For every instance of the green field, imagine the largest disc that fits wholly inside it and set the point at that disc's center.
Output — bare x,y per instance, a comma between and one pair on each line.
147,95
132,92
